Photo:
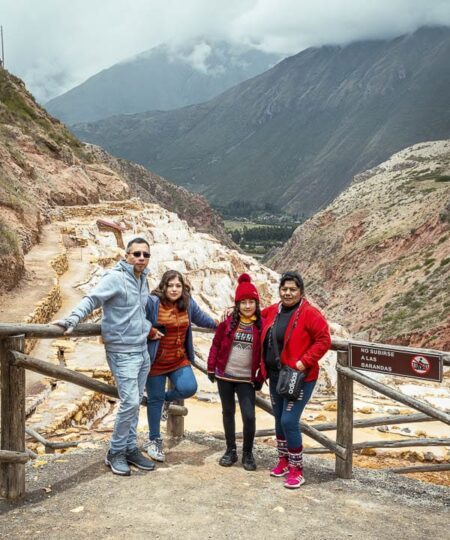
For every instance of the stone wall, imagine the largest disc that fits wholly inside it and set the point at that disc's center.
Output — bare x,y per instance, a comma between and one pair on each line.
45,310
60,263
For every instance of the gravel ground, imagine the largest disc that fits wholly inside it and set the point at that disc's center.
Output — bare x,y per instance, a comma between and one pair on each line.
75,496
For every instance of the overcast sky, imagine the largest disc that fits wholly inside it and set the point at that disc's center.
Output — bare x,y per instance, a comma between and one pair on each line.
56,44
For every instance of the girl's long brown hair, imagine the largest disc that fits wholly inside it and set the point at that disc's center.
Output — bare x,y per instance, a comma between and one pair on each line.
160,291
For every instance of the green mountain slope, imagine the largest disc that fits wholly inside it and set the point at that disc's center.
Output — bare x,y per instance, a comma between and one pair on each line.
297,134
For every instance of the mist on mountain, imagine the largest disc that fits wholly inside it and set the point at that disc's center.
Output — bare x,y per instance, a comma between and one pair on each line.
163,78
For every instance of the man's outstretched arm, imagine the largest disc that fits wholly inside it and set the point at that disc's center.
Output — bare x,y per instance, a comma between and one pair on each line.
106,288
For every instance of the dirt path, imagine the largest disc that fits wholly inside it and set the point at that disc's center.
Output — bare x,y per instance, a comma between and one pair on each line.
78,269
21,301
39,280
190,496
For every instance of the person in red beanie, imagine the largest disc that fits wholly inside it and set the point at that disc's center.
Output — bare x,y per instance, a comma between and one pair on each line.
233,361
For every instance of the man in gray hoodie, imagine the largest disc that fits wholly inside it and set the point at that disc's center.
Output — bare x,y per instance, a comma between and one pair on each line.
123,293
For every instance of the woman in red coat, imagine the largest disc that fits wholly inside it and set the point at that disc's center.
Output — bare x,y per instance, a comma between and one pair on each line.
233,361
302,338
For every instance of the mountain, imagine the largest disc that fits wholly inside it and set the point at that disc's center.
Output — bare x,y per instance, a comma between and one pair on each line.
378,258
43,166
296,134
162,78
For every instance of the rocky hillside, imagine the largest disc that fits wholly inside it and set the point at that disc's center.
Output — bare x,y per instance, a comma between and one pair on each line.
43,165
378,258
154,189
298,133
162,78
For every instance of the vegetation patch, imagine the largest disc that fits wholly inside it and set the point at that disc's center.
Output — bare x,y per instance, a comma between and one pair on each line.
12,195
9,241
258,239
12,100
19,106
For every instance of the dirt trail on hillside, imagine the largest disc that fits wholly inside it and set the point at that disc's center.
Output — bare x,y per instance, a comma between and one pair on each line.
192,497
40,276
78,268
16,304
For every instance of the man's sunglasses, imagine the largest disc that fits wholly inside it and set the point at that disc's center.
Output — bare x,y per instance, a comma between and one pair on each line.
137,254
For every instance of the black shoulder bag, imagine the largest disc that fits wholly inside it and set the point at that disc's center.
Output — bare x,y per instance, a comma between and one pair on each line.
290,381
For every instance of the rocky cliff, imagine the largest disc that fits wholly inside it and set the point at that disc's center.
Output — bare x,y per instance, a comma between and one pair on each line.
378,258
43,165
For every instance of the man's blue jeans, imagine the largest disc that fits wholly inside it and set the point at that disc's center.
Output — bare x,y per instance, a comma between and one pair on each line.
130,372
185,386
287,413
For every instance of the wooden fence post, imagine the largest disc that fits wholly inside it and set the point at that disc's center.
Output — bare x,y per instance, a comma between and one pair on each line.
12,475
344,429
175,423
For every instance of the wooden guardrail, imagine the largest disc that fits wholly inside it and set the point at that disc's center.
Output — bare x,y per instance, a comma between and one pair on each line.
13,362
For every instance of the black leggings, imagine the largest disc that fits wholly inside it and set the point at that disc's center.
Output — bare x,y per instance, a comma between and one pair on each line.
246,396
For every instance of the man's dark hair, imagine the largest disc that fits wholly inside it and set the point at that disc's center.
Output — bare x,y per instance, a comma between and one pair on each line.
292,276
137,240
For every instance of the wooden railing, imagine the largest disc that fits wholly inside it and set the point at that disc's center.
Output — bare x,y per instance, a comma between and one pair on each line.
13,453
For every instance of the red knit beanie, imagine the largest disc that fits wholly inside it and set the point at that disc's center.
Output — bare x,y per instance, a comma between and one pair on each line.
245,290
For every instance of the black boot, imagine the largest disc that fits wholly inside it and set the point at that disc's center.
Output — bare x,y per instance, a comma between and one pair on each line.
228,458
248,461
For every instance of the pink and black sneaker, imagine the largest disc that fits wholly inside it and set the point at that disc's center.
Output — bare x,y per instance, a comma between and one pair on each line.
281,469
294,478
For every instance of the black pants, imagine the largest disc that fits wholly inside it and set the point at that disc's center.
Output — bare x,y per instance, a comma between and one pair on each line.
246,396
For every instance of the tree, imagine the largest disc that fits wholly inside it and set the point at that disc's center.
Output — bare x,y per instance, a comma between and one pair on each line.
236,236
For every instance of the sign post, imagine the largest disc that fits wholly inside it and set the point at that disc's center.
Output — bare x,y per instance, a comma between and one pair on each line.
397,361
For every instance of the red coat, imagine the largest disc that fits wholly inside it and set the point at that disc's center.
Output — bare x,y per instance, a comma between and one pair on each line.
222,344
308,341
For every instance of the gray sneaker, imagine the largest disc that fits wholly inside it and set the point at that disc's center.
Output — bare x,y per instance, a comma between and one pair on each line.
118,463
154,450
136,458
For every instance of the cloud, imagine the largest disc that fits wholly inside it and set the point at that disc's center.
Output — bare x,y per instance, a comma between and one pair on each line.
54,45
199,56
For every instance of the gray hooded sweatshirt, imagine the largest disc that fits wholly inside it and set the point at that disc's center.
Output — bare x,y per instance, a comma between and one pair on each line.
123,298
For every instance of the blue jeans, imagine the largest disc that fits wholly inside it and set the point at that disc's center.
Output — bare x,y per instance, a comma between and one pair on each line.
130,372
185,386
287,413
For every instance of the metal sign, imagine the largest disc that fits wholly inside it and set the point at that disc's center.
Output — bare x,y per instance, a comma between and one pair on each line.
399,361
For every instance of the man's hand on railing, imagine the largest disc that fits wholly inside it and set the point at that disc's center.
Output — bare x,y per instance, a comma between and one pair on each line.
61,322
211,377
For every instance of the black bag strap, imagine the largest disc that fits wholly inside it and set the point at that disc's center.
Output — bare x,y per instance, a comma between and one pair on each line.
275,341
